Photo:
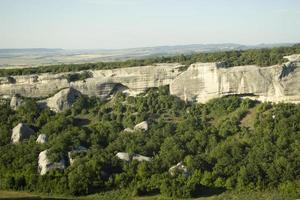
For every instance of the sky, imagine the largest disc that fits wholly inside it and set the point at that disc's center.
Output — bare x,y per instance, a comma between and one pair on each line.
114,24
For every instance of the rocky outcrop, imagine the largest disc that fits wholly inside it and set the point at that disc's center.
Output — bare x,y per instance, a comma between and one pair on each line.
62,100
102,83
21,132
15,102
204,81
44,164
200,82
129,157
42,138
180,168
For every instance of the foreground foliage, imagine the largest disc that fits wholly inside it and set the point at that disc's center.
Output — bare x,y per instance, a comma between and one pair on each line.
220,152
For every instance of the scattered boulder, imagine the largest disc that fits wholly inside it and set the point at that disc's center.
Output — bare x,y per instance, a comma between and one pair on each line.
62,100
44,165
15,102
76,151
129,157
180,168
21,132
143,126
42,138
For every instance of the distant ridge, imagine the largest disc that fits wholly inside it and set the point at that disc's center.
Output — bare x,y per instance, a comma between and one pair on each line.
30,57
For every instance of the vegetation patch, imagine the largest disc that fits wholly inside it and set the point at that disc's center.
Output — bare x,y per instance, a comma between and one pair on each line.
220,155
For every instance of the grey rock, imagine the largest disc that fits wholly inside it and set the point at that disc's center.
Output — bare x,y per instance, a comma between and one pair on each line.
15,102
44,164
42,138
62,100
21,132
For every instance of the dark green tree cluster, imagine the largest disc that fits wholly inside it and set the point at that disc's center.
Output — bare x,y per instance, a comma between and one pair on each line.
219,152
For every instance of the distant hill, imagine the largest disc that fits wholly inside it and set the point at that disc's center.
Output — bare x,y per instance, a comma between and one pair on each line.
44,56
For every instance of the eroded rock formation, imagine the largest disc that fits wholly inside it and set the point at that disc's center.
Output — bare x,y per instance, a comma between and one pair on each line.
204,81
62,100
200,82
21,132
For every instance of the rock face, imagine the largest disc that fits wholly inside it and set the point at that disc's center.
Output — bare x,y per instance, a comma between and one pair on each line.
200,82
21,132
102,83
180,168
143,126
61,100
128,157
42,138
204,81
44,165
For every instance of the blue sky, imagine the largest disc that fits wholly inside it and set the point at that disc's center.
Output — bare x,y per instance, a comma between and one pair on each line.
83,24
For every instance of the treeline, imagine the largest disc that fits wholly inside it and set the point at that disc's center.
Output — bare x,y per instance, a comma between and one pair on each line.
219,151
260,57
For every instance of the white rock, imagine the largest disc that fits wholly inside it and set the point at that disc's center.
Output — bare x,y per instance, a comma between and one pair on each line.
123,156
62,100
21,132
141,158
15,102
42,138
44,165
128,157
205,81
143,126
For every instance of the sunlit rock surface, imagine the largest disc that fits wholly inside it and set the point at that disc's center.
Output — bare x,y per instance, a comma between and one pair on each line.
21,132
200,82
44,164
204,81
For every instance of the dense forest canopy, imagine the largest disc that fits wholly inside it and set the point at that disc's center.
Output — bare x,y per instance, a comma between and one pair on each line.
260,57
227,144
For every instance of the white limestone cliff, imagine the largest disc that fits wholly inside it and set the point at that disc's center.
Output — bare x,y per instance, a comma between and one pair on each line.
200,82
204,81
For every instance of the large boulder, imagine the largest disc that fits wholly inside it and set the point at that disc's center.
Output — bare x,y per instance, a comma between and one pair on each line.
143,126
21,132
44,164
42,138
15,102
62,100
